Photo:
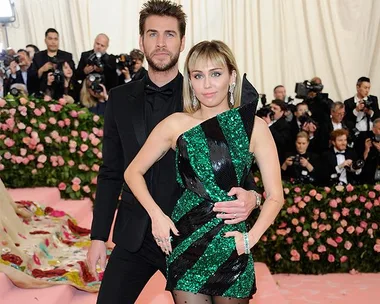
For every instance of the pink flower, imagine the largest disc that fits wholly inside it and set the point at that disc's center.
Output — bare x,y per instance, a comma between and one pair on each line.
318,197
2,167
71,163
316,211
377,187
347,245
339,230
61,161
295,222
76,181
74,133
327,189
333,203
62,101
95,141
348,199
298,229
48,140
322,227
302,219
40,148
52,120
61,123
297,189
34,171
339,239
371,194
23,152
306,199
286,190
40,166
357,212
343,259
331,258
54,134
2,103
354,197
362,199
314,225
84,135
96,118
47,98
86,189
37,112
99,155
289,240
331,242
305,233
73,114
363,224
42,126
75,187
315,257
359,230
321,248
277,257
345,211
350,229
95,167
83,147
376,247
313,192
21,126
295,209
67,121
310,241
336,215
281,232
349,188
94,181
339,188
9,142
62,186
368,205
295,255
374,226
42,158
360,244
323,215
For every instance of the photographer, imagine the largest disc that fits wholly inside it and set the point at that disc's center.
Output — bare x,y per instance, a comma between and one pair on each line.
131,69
340,163
300,166
32,49
371,155
93,94
98,61
48,59
362,109
21,71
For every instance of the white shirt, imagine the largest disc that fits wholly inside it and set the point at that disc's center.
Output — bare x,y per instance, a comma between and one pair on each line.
336,126
361,119
340,158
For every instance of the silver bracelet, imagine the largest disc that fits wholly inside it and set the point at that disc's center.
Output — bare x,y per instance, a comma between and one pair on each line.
258,198
246,243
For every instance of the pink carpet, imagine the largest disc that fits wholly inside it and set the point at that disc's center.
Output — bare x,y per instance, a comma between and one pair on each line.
276,289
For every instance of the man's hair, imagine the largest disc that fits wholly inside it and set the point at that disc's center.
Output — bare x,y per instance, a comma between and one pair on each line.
336,133
281,104
301,104
24,51
278,86
337,105
303,134
376,121
163,8
361,80
137,55
51,30
36,49
316,79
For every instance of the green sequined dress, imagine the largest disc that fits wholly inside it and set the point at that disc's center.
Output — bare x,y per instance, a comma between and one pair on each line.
211,158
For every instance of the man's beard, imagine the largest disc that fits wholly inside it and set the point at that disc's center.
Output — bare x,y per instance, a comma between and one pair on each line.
164,66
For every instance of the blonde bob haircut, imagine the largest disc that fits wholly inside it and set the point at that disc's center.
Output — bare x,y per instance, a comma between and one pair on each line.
220,55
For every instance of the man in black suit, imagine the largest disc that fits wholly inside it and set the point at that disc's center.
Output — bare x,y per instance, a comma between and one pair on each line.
340,162
98,61
137,71
133,110
48,59
280,128
362,109
22,72
371,155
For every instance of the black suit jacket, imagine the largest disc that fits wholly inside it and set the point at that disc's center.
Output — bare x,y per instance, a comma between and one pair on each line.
350,105
109,72
42,57
371,164
325,131
282,137
329,163
32,80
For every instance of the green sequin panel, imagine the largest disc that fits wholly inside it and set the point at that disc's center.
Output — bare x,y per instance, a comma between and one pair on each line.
186,202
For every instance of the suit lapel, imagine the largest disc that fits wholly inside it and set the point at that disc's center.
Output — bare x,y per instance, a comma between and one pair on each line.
138,113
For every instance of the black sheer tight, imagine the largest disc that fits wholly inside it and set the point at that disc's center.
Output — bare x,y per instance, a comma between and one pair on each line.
183,297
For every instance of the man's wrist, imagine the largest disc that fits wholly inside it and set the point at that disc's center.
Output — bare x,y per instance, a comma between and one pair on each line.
257,197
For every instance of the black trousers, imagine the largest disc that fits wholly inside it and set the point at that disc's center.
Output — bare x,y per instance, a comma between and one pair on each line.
127,273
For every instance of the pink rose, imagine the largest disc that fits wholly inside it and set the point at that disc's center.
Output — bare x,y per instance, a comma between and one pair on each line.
297,199
314,225
360,244
34,171
52,120
94,181
323,215
343,259
65,139
321,248
354,197
348,199
315,257
349,188
331,242
75,187
371,194
316,211
67,121
333,203
54,134
62,186
83,147
298,229
281,232
295,255
357,212
359,230
21,126
362,199
48,140
9,142
37,112
376,247
2,103
23,152
74,114
86,189
331,258
347,245
305,233
368,205
310,241
339,230
99,155
95,167
313,192
363,225
350,229
47,98
42,158
322,227
339,239
339,188
374,226
61,123
76,181
264,238
2,167
95,141
345,211
286,191
297,189
319,197
71,163
42,126
277,257
289,240
327,189
40,148
302,219
295,209
377,187
40,166
336,215
62,101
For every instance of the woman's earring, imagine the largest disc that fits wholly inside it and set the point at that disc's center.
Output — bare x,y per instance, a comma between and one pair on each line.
231,91
194,100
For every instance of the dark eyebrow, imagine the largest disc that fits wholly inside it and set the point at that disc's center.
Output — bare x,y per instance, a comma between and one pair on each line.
168,31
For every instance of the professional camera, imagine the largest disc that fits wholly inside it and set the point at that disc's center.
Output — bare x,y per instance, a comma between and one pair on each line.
304,178
59,78
265,111
96,59
15,92
356,165
95,80
306,118
5,61
125,61
303,89
53,60
368,103
296,160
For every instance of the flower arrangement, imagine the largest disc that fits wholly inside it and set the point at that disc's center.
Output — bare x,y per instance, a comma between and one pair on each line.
324,230
49,143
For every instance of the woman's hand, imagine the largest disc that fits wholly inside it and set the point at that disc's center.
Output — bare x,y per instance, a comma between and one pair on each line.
239,241
161,226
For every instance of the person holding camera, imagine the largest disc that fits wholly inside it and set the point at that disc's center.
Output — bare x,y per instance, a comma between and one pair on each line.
21,71
48,59
93,94
98,61
300,165
362,109
340,163
135,71
32,49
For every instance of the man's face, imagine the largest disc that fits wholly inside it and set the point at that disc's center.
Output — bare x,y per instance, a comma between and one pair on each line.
31,52
337,115
280,93
52,42
340,143
24,59
137,66
301,109
376,128
161,42
363,89
278,113
101,44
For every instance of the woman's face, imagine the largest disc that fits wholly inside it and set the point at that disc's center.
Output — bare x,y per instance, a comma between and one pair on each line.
301,145
210,83
67,71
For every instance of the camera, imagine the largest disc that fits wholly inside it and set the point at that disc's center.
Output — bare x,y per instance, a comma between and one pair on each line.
125,61
296,160
356,165
368,103
265,111
306,118
58,76
53,60
303,89
15,92
96,59
95,80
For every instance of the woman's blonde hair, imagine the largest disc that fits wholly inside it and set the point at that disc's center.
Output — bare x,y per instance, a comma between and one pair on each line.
303,134
219,54
85,97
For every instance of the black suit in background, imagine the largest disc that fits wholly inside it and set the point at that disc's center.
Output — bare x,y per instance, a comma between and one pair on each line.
330,162
325,131
109,72
282,137
140,74
371,164
32,81
350,105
